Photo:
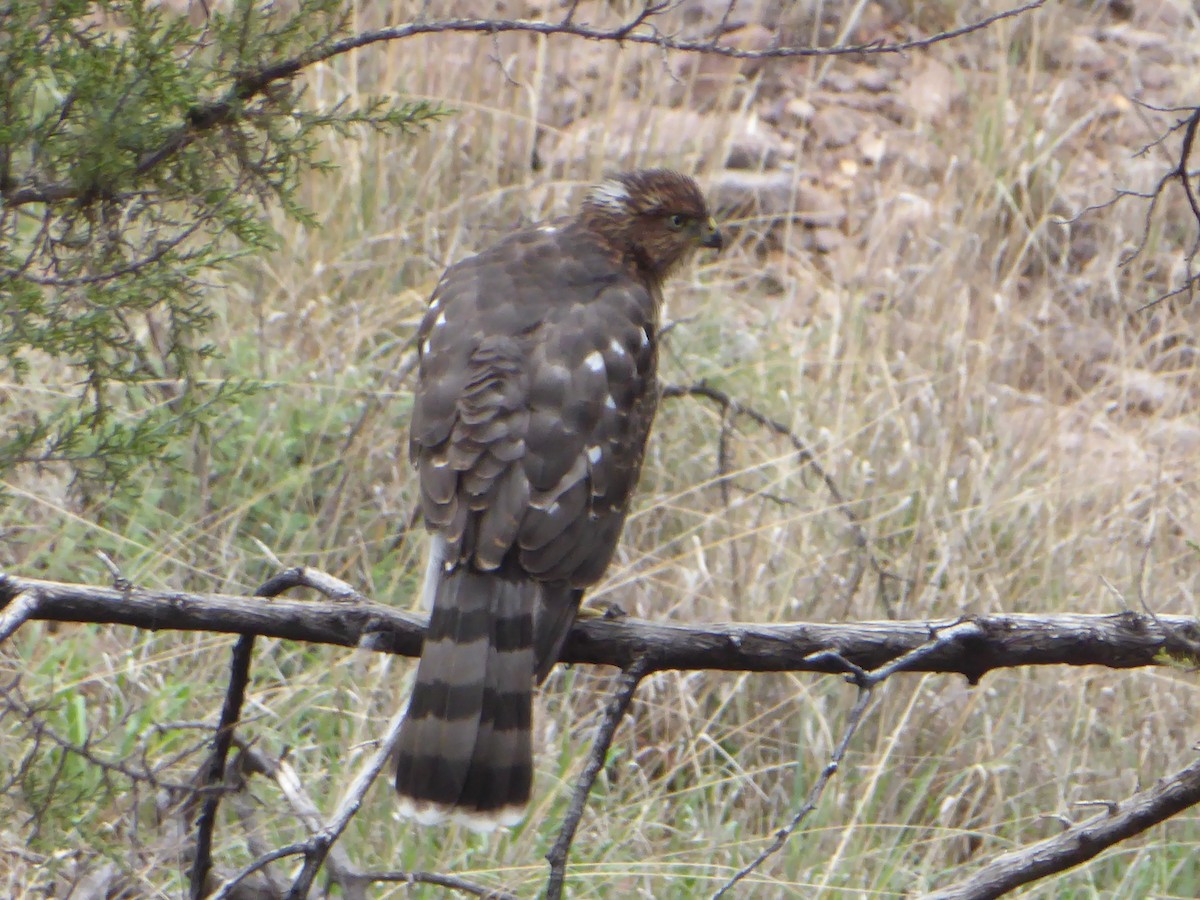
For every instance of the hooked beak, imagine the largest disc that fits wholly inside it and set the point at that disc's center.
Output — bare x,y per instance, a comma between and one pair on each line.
712,236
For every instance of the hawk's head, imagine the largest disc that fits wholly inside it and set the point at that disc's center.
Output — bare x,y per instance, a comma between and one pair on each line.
657,216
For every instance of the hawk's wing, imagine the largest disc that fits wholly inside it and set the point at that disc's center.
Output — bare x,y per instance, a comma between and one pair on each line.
537,388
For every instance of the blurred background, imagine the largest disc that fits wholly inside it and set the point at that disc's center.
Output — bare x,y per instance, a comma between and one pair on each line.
916,285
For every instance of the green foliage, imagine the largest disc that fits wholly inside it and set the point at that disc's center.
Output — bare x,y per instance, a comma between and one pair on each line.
136,152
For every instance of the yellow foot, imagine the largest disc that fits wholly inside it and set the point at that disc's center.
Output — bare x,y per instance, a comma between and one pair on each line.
602,609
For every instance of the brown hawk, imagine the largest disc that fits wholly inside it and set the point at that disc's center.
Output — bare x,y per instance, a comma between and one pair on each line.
535,396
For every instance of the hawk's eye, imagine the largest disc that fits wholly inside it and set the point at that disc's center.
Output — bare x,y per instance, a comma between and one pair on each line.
677,222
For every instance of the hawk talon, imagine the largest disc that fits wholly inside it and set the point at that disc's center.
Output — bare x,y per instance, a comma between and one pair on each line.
601,609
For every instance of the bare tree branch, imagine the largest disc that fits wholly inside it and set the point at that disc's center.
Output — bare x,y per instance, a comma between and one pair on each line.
18,610
229,889
212,774
343,872
341,869
1081,842
319,844
853,720
1119,641
1178,172
867,682
618,705
640,28
1185,152
447,881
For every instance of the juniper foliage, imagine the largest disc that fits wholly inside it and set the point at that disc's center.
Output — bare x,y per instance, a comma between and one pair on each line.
138,148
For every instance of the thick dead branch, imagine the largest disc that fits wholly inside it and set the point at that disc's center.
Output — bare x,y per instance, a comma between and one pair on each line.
1119,641
1081,842
18,610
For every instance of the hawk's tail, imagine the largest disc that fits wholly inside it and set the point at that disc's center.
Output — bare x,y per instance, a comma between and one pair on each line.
465,748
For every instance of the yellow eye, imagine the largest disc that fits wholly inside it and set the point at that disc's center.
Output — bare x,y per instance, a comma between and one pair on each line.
677,222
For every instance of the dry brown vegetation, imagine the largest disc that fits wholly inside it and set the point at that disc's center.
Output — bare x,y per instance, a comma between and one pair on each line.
911,287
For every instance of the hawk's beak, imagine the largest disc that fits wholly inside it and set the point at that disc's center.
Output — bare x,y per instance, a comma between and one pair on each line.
712,236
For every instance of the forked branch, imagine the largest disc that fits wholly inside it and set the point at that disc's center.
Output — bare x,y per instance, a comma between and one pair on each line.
866,682
1080,842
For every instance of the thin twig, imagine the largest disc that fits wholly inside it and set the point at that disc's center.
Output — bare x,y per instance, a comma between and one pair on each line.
1079,843
866,683
317,847
447,881
639,29
12,699
1179,171
119,581
731,406
1185,152
724,482
342,870
228,887
213,773
853,720
631,676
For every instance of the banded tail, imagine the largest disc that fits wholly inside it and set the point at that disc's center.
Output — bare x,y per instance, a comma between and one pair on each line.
465,749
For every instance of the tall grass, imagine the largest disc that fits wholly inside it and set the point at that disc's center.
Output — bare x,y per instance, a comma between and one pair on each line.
972,372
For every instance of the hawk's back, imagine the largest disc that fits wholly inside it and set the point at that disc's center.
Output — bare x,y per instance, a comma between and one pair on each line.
550,341
535,395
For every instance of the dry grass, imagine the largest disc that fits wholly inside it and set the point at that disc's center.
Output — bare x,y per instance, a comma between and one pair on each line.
972,372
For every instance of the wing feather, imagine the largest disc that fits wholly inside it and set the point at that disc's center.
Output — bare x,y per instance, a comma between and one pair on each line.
536,393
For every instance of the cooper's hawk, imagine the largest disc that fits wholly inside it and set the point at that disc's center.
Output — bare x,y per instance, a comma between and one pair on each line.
536,392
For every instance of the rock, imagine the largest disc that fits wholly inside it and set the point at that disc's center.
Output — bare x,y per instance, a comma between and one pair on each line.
872,146
1085,51
752,37
1178,437
707,81
932,91
757,147
707,14
834,127
1133,38
874,80
776,195
798,111
839,82
630,132
1156,76
826,240
916,156
1140,391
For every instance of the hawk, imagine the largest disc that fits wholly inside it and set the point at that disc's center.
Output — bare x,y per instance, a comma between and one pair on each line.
535,395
